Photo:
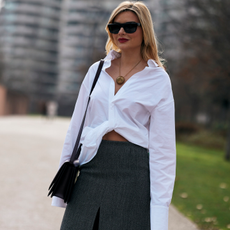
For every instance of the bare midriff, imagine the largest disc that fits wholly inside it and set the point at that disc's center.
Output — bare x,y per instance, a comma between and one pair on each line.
113,136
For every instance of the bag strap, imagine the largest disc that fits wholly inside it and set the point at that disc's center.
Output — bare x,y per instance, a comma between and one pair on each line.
77,148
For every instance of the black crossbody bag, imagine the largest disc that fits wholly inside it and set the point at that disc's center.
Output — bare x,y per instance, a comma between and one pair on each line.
63,183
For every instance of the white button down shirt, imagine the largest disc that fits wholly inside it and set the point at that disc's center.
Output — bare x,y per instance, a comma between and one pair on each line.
142,111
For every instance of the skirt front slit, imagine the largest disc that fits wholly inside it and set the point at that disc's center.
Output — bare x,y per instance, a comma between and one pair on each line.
112,191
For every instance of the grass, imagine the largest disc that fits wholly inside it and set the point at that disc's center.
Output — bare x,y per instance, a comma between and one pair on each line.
202,188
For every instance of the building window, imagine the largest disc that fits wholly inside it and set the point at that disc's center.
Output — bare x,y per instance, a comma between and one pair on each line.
11,5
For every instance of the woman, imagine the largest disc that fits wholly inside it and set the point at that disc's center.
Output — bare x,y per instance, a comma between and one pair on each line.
128,153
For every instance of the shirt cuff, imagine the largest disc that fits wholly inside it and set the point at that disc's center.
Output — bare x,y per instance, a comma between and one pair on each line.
159,217
58,202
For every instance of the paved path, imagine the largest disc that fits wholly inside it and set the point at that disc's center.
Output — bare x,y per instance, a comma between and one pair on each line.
29,149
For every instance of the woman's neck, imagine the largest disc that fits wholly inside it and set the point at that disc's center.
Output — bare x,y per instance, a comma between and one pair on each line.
130,58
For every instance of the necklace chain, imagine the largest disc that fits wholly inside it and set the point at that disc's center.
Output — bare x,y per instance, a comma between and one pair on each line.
121,79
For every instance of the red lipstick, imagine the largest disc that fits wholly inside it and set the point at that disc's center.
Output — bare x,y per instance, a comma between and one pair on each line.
122,40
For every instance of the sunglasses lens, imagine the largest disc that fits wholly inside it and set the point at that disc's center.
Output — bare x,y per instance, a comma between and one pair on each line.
114,28
130,28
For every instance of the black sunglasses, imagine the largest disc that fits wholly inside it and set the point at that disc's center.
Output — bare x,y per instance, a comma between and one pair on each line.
129,27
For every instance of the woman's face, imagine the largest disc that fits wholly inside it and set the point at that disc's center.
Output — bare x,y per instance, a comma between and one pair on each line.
126,41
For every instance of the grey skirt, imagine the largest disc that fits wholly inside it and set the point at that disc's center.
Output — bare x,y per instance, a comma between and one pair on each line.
112,191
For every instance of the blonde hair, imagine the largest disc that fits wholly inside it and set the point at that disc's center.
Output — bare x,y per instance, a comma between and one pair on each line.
149,48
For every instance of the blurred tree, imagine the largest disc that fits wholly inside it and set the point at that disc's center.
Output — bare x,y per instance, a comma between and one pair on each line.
197,47
202,77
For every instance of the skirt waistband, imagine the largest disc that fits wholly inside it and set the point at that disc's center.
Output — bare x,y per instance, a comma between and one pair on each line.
123,143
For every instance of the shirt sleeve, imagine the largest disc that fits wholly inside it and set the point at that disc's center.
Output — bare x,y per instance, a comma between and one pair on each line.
162,160
75,124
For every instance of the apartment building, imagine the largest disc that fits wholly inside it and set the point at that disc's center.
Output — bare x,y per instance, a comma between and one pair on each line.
29,51
46,48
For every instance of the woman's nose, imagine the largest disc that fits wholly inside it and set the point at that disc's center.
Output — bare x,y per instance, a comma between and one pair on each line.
121,31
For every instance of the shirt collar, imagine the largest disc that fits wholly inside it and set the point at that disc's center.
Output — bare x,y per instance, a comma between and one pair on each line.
114,54
152,63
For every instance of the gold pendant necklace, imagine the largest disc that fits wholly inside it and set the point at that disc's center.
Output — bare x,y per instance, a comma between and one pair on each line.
120,79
